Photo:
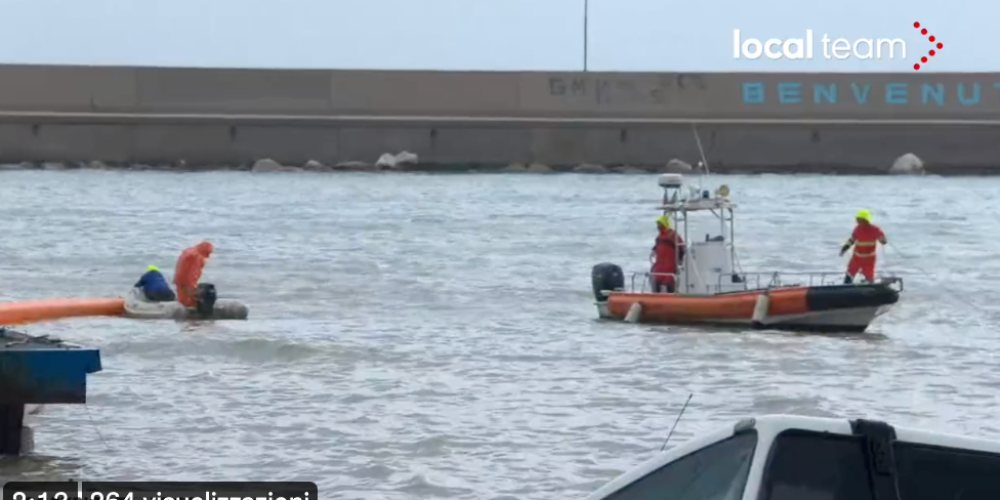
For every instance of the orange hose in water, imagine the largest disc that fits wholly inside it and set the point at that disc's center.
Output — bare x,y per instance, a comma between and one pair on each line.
31,311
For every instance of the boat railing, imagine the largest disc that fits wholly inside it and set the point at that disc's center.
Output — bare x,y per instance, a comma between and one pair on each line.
761,280
647,280
780,279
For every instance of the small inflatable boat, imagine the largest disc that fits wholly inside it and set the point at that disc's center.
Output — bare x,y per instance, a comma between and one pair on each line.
137,306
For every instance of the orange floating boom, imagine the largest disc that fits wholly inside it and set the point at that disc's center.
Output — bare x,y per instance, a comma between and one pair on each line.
32,311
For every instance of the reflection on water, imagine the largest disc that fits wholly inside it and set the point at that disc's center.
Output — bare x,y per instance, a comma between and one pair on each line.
433,336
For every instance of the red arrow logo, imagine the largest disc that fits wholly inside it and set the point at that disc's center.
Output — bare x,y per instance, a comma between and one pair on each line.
932,52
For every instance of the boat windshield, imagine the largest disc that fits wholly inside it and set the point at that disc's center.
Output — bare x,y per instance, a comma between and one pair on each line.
806,465
716,472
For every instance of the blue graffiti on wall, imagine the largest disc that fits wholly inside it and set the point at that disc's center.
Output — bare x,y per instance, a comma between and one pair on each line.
861,94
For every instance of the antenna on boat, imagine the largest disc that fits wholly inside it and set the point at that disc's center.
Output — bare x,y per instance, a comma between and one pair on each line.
679,415
701,150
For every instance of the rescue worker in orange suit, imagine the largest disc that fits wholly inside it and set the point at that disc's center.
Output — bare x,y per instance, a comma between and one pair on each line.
668,249
187,272
865,239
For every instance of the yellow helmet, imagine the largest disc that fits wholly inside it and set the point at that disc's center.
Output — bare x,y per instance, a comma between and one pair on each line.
152,268
864,215
664,221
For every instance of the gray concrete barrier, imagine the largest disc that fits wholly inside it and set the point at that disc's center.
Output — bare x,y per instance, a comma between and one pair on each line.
777,122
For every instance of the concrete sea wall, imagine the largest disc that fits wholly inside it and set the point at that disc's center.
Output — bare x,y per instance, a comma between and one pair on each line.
747,121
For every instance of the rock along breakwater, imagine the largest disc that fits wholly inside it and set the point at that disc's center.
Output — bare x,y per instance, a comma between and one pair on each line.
907,164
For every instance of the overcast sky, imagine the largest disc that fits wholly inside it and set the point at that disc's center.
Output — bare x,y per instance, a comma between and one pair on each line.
625,35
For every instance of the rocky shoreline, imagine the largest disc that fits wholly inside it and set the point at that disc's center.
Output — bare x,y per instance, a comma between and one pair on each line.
907,164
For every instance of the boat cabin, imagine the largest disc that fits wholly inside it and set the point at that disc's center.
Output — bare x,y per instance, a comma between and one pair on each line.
781,457
709,265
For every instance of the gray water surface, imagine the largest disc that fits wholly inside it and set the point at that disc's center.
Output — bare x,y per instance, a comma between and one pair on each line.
433,336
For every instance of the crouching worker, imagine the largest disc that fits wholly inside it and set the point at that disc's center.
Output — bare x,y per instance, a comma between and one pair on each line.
190,293
154,286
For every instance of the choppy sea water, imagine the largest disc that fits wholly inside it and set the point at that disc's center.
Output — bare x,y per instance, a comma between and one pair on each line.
422,336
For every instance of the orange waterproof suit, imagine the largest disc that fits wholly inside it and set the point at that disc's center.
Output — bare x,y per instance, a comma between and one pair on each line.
188,272
865,238
669,246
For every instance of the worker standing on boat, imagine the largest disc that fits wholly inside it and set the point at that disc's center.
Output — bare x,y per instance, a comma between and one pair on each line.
188,272
865,238
668,249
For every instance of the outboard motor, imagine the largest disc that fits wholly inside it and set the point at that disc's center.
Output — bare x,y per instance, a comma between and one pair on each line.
205,303
606,276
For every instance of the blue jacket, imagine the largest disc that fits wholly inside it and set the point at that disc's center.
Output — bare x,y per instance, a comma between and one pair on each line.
153,282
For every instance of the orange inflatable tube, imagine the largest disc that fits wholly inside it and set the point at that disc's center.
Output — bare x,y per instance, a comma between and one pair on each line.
32,311
736,306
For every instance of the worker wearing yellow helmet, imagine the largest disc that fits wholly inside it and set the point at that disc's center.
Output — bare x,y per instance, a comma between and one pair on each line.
154,286
667,251
865,239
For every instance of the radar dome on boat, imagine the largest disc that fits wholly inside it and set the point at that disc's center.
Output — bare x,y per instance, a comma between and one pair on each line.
670,180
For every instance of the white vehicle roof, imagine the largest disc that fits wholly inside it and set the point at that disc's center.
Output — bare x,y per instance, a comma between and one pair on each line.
769,426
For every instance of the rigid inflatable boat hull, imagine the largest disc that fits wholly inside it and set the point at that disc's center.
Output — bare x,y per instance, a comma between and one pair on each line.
138,307
849,320
844,308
